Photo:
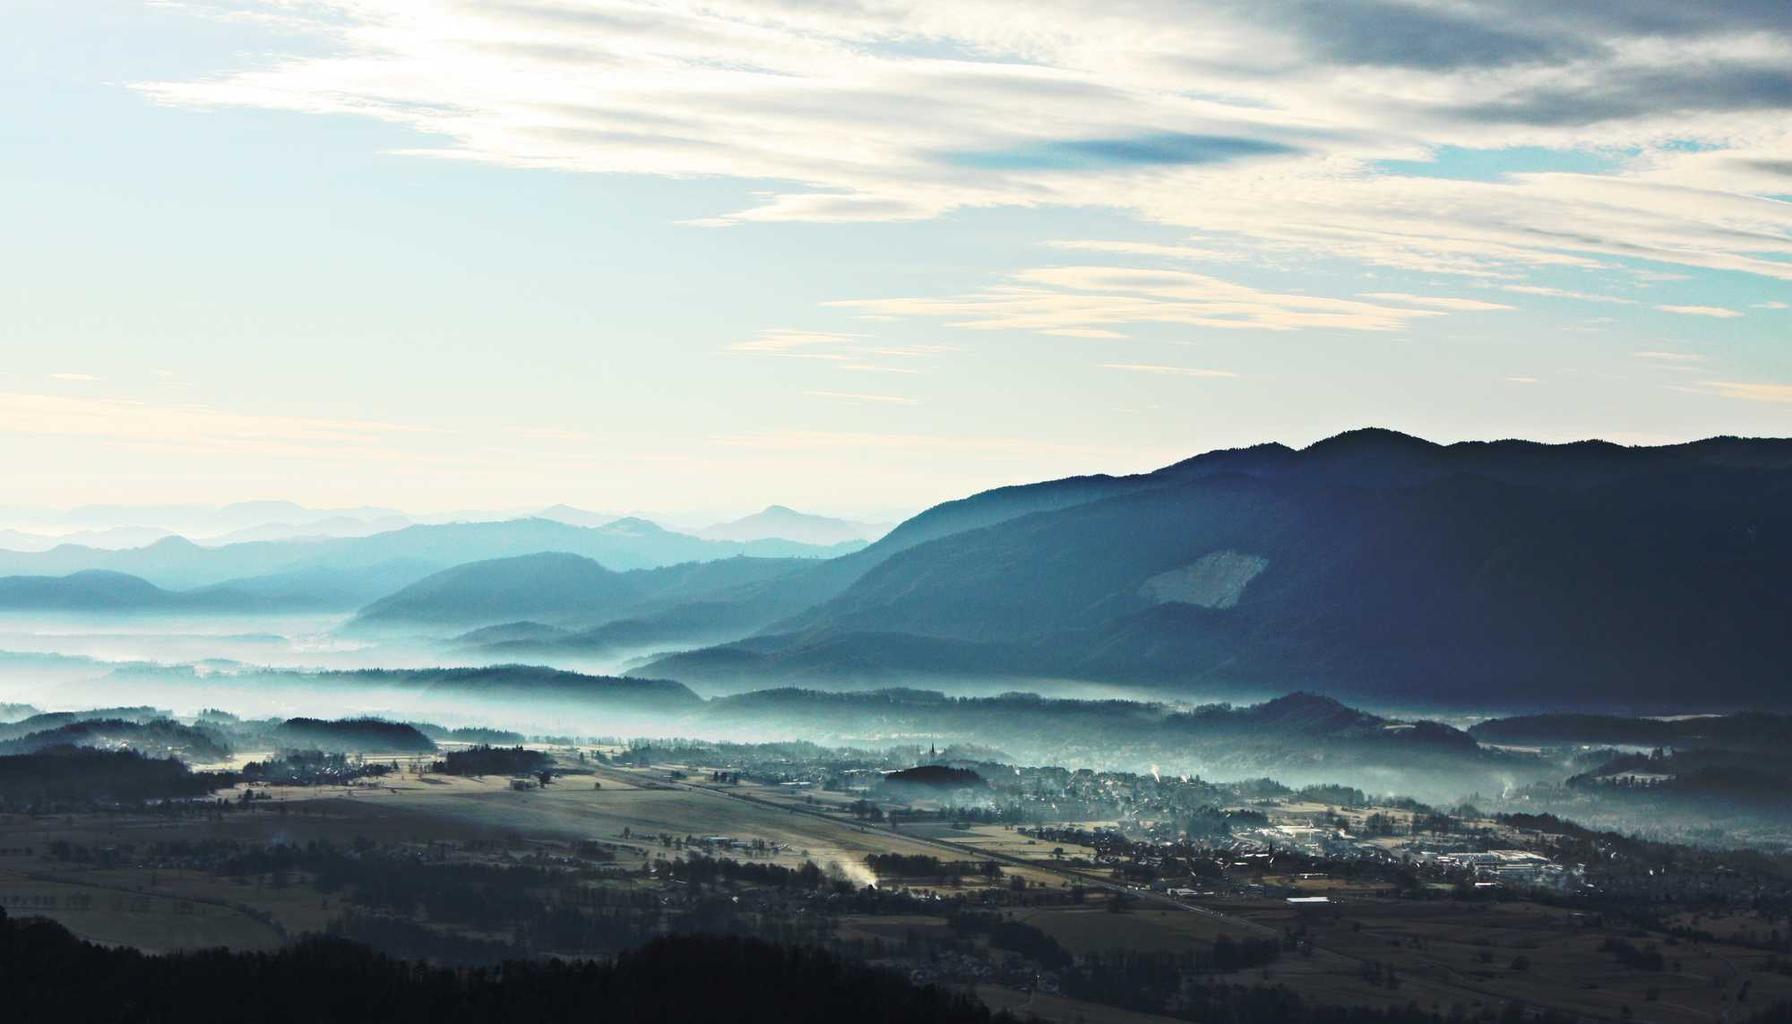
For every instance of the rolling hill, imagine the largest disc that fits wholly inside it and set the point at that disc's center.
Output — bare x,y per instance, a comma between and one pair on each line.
549,585
98,591
557,588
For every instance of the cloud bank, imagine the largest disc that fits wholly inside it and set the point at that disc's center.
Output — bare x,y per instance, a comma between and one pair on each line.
1269,123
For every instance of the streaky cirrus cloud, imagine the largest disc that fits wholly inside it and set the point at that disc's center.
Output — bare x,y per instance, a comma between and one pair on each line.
1097,302
1160,370
1717,312
863,398
1565,293
1448,302
1267,124
779,341
850,352
1749,391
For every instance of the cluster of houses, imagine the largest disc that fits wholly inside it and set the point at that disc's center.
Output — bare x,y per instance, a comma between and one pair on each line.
1517,867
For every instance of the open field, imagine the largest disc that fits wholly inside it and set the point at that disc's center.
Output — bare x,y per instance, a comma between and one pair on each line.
159,915
1061,1008
1477,949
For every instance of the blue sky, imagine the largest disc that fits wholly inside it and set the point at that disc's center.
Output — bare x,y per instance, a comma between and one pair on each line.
700,259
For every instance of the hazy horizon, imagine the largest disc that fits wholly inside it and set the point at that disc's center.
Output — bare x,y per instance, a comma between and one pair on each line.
51,519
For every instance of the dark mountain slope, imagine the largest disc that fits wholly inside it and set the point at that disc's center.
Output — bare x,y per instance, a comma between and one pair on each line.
1459,574
987,508
782,599
83,591
98,591
547,585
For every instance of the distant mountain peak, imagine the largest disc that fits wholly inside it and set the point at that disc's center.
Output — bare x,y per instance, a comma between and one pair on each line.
572,515
1372,439
785,523
633,526
1301,703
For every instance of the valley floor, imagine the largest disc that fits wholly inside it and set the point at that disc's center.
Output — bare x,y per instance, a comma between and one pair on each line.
133,879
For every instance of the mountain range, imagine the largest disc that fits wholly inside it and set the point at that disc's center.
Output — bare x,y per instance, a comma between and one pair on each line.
350,571
1371,565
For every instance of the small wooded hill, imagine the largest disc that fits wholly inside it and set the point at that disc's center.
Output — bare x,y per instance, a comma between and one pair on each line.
350,736
1372,565
80,778
44,721
935,776
162,737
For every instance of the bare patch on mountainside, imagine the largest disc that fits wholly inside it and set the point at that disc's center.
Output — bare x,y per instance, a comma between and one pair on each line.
1215,580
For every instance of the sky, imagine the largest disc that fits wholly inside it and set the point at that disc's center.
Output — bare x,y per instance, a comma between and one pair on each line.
862,257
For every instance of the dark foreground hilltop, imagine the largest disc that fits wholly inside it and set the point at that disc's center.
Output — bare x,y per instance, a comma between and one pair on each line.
46,974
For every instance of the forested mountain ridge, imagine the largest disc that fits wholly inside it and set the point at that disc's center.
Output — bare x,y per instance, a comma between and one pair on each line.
1371,565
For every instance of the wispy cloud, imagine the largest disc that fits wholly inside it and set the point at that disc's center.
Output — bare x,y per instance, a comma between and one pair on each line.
875,368
1092,302
1564,293
919,444
1676,358
1749,391
75,377
1719,312
1168,371
1122,248
1273,124
1451,303
844,351
562,434
861,397
783,341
